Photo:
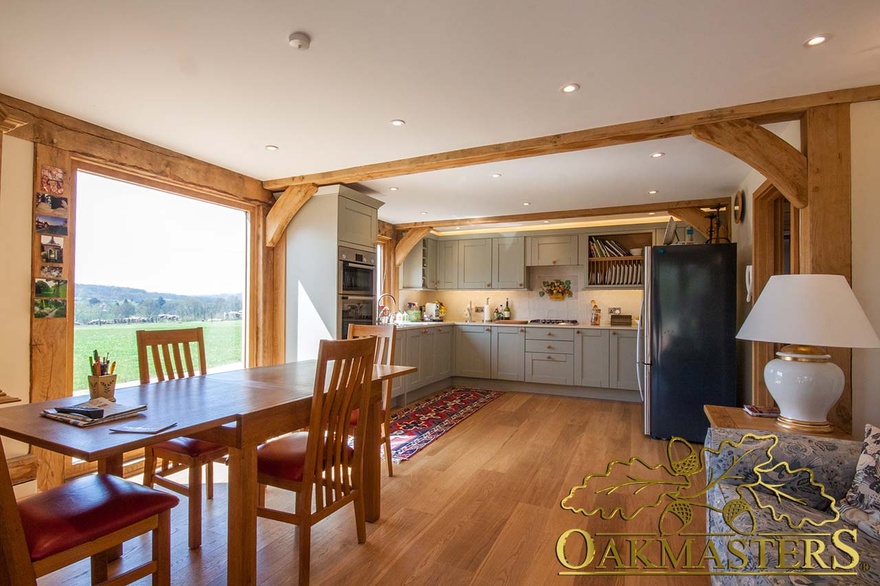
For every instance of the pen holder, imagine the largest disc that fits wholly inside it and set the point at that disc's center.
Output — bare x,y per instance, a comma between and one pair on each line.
103,387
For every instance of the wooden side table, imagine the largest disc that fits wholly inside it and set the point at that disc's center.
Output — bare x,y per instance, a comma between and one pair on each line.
736,418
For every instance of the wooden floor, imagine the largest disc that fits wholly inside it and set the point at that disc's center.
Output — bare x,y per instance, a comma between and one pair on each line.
481,505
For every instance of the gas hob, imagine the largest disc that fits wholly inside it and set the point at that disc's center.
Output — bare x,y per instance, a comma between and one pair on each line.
554,322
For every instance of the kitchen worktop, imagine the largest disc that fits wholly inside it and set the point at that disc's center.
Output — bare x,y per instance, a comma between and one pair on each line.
423,324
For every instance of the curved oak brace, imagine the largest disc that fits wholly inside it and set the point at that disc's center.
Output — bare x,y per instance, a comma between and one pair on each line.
693,216
412,237
7,122
771,156
290,202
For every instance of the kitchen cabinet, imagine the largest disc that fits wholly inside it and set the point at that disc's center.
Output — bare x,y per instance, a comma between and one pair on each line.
473,351
549,356
622,361
508,353
412,356
419,268
509,263
398,384
442,364
552,250
475,263
358,223
447,264
591,358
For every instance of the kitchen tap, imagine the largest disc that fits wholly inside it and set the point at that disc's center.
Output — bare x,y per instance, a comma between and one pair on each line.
385,317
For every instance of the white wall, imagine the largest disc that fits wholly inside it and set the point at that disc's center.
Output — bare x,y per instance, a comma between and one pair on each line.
865,248
16,234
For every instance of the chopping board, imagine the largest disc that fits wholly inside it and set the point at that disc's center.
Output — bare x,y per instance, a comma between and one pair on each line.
510,321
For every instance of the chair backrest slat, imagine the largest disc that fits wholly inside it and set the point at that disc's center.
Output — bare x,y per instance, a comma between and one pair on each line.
171,353
331,466
386,338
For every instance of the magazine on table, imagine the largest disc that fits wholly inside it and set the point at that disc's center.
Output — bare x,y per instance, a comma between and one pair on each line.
93,412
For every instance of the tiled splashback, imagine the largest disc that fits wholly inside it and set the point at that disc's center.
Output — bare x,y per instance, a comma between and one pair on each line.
529,305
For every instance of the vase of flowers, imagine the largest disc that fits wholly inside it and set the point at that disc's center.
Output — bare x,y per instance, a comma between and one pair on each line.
556,289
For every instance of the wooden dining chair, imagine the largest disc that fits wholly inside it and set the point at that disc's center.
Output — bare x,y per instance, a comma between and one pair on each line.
320,461
171,355
386,337
82,518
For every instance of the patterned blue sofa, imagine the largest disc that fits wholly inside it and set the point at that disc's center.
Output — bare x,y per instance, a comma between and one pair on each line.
738,495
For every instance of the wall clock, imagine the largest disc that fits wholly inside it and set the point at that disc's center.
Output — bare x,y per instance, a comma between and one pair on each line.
738,207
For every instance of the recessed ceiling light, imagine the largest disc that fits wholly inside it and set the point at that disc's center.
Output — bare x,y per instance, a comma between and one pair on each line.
393,188
424,213
653,192
570,88
496,175
271,147
817,40
398,122
657,155
527,203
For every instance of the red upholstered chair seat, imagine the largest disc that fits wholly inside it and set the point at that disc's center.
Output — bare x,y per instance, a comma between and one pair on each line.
187,446
285,457
84,510
356,414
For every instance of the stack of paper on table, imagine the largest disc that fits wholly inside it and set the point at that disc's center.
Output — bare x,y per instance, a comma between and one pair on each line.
112,412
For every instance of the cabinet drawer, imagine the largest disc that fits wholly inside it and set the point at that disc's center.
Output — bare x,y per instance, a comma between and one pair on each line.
554,369
550,345
550,334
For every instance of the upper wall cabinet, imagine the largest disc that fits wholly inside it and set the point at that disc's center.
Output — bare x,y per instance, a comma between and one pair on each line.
552,250
358,223
508,263
475,263
447,264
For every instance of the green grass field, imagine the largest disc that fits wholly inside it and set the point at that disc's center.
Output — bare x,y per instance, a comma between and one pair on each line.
223,345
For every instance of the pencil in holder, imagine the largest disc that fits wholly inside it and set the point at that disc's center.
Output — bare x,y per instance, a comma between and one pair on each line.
103,387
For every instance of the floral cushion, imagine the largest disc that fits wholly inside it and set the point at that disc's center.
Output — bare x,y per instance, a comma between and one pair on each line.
861,507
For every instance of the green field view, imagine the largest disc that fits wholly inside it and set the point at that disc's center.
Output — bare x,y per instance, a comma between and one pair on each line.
223,346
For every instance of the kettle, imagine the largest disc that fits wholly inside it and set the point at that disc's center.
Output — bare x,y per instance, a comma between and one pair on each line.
432,312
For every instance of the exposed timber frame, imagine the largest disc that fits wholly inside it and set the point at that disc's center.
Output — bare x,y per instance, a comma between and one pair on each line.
778,110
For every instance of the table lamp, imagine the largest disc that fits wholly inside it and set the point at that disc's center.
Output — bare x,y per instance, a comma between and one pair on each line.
807,312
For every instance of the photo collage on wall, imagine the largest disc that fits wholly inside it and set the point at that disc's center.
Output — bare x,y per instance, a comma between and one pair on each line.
50,225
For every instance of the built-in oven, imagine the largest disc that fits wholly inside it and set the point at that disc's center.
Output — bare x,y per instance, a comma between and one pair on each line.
357,272
355,309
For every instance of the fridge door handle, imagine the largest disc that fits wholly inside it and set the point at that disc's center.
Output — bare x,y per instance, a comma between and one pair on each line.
639,335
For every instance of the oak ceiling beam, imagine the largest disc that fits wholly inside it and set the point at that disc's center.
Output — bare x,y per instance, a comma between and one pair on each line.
285,208
408,242
91,143
765,112
771,156
569,214
695,217
7,122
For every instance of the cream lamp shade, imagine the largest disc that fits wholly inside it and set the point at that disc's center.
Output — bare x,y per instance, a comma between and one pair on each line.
808,312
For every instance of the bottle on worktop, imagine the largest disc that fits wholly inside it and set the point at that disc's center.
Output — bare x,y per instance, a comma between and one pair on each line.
506,311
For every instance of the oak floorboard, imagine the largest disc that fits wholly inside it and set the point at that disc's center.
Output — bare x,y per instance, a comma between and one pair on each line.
480,505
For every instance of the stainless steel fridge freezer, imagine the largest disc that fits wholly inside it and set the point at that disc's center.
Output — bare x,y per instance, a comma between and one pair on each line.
686,348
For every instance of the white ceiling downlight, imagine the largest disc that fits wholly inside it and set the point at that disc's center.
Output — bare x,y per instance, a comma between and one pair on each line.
570,88
271,147
398,122
657,155
816,40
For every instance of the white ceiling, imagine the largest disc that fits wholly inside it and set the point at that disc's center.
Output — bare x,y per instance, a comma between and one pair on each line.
217,80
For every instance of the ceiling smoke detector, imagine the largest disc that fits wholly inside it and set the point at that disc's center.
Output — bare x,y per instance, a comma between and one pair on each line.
299,41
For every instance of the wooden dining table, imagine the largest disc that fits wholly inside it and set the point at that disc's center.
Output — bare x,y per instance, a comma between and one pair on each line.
239,409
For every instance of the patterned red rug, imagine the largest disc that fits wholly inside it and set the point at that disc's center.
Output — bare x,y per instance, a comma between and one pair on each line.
416,426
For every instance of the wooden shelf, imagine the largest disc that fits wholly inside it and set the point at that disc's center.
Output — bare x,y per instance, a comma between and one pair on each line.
616,272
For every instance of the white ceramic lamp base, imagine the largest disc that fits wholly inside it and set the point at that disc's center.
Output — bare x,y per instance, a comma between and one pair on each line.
806,385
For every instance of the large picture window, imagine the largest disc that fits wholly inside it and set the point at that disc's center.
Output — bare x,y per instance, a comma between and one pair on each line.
149,259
